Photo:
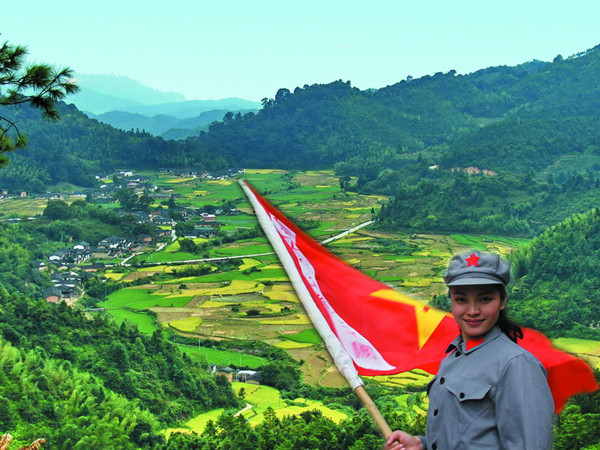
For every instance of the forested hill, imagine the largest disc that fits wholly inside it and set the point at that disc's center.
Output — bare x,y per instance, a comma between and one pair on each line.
76,148
557,281
454,115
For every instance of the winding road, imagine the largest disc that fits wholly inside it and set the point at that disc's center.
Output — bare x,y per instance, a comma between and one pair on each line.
222,258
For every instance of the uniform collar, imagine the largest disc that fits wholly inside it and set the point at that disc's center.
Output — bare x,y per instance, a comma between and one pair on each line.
473,344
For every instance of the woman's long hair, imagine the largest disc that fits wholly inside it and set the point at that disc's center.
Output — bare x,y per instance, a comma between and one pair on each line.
508,327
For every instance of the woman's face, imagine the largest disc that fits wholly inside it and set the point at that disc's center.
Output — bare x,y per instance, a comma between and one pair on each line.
476,308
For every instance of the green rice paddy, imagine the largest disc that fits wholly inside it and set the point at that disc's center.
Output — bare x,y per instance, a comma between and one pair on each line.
579,346
260,398
309,336
206,356
145,322
135,298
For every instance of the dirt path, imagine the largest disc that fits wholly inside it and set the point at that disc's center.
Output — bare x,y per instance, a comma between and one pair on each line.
248,407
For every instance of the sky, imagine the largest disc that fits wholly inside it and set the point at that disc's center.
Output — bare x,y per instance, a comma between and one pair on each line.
251,48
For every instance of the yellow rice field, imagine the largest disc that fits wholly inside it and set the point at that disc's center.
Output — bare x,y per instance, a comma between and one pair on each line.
301,319
236,287
179,180
187,325
291,344
248,263
220,182
114,276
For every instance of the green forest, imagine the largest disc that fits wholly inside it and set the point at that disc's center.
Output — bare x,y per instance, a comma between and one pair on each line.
557,284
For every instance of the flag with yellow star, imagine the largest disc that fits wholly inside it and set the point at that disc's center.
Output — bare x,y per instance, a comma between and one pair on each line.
371,329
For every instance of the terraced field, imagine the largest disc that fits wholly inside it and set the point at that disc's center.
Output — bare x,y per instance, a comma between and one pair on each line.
254,300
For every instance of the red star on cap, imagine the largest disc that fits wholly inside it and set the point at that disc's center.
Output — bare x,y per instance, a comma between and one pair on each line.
473,260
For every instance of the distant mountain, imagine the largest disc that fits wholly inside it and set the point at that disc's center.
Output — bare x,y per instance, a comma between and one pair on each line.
192,108
169,127
103,93
127,104
122,89
128,121
95,102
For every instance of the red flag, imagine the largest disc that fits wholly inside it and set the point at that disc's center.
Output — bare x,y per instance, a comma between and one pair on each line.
380,329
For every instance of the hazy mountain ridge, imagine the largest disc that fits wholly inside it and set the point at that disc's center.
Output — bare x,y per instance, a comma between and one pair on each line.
163,124
122,89
129,105
191,108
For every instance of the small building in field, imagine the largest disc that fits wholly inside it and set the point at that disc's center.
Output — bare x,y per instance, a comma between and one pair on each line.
248,376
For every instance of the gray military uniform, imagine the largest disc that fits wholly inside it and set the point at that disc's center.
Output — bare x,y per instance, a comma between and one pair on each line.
493,395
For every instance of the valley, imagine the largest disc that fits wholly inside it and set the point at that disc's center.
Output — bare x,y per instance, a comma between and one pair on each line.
237,291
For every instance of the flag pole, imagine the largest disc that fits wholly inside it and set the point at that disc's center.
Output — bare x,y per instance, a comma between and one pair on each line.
340,357
367,402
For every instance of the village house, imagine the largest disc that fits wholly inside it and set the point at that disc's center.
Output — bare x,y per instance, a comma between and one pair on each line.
210,223
82,245
162,195
79,255
41,266
67,282
160,232
202,231
207,218
140,216
93,267
163,220
114,243
58,256
144,239
102,253
192,234
188,173
69,256
52,294
185,213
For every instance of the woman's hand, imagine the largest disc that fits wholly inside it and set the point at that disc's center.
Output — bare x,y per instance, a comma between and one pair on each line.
399,440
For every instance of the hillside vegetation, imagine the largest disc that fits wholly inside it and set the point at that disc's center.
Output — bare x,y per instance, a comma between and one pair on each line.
557,284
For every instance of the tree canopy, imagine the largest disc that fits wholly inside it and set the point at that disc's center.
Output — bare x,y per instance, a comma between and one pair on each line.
39,85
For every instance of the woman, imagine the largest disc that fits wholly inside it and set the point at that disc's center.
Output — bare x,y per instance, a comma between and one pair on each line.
489,393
